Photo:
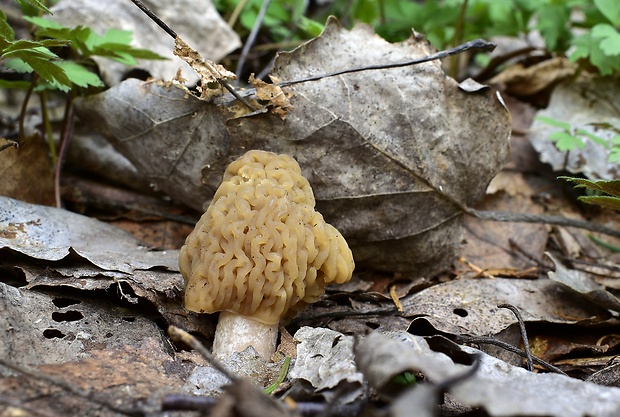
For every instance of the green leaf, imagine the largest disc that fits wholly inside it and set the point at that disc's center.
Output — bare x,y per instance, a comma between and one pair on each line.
46,69
611,187
614,155
6,32
565,141
594,138
27,54
43,23
18,65
552,23
608,37
311,27
603,201
554,122
17,85
610,9
80,76
36,4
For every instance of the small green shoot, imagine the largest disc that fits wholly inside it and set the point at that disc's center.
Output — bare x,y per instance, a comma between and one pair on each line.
404,378
283,372
568,138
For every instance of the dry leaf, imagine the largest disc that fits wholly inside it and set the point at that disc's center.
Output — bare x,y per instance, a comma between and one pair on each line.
497,387
26,172
391,154
51,234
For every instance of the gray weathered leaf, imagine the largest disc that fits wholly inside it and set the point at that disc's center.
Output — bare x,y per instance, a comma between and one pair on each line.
325,360
55,329
50,234
581,282
391,154
469,306
497,387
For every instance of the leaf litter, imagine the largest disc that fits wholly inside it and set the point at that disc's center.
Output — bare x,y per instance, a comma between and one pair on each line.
359,163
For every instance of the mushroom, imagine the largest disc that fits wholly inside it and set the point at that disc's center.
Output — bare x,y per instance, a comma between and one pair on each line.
260,253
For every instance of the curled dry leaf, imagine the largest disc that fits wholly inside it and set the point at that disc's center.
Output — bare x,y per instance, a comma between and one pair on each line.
391,154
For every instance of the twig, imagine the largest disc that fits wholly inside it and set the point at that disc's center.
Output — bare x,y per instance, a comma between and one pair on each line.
68,387
252,37
22,113
174,36
501,216
475,45
507,346
65,135
526,343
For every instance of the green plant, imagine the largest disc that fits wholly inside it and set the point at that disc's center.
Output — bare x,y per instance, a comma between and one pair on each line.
73,72
602,193
568,138
59,58
601,45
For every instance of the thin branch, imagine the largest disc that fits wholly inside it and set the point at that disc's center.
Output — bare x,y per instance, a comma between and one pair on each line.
65,135
526,343
155,19
482,340
475,45
22,113
252,37
501,216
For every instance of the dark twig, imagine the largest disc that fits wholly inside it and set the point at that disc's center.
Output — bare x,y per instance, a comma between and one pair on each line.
174,36
507,346
70,388
500,216
475,45
65,135
155,19
252,37
526,343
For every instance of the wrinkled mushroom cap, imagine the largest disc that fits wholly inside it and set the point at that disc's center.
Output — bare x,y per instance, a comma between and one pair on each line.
261,250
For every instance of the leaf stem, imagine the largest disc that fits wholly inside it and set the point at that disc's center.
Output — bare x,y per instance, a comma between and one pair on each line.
47,127
22,113
65,135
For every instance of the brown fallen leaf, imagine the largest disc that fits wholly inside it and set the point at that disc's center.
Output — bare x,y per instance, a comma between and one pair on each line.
26,172
391,154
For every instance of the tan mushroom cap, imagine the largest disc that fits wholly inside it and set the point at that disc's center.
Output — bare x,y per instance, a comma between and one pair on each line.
261,250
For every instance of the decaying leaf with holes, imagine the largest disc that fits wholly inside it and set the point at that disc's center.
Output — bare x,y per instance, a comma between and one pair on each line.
391,154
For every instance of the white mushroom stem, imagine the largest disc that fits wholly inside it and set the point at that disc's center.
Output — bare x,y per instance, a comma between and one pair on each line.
234,333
